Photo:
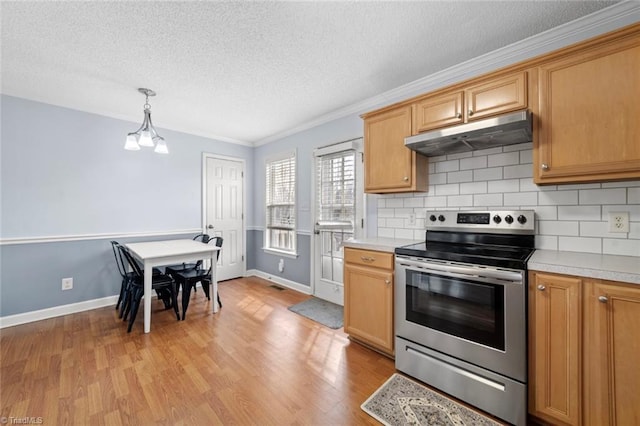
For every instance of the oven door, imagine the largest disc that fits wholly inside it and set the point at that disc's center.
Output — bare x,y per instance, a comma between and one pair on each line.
469,312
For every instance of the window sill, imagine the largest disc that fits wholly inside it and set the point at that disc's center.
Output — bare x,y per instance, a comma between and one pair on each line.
288,254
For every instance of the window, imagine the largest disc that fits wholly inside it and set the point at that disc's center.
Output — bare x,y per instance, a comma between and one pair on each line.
280,197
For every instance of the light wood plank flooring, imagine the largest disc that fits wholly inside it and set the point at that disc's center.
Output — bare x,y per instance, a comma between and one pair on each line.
254,362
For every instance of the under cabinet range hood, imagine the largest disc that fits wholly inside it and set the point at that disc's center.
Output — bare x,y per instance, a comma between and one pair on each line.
507,129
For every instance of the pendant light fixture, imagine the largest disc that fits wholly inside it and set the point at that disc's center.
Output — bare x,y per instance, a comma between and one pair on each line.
146,135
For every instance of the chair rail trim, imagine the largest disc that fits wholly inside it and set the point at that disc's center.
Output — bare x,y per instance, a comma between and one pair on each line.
83,237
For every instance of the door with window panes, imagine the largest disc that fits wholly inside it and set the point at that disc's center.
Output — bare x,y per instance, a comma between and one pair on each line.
338,214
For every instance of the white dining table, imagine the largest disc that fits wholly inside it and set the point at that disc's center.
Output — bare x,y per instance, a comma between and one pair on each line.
167,252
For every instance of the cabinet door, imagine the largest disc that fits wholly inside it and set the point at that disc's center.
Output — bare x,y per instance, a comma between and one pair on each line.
437,111
612,373
389,165
495,97
554,345
589,108
368,305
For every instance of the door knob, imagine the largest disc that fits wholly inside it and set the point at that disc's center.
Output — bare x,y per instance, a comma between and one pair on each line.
470,112
544,166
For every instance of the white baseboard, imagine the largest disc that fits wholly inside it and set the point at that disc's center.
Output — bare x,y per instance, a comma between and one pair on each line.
57,311
278,280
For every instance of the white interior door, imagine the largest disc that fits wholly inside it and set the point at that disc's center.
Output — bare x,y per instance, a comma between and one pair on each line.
224,212
338,214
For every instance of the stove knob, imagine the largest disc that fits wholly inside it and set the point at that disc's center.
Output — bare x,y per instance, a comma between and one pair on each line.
497,219
509,219
432,218
441,218
522,220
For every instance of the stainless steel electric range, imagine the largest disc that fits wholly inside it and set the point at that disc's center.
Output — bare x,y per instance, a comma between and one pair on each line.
460,308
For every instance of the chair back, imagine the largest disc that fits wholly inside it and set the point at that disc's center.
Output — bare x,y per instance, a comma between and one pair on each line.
217,241
203,238
115,246
132,262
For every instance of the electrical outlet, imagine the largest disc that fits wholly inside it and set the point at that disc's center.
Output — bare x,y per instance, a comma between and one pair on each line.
412,218
67,283
618,221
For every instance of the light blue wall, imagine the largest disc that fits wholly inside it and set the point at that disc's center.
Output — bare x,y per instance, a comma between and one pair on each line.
65,173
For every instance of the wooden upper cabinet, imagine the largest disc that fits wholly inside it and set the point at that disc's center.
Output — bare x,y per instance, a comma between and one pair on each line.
488,98
437,111
589,119
389,166
498,96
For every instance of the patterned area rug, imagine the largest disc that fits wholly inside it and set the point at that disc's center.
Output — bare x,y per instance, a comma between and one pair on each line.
318,310
402,401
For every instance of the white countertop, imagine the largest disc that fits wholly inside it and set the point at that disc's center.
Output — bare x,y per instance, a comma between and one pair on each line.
379,243
603,266
600,266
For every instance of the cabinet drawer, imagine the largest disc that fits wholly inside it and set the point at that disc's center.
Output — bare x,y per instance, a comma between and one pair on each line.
372,258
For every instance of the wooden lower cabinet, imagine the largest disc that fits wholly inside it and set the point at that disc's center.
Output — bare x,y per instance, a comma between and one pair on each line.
612,354
554,319
368,298
584,350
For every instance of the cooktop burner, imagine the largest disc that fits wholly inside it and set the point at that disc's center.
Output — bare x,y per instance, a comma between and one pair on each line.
496,238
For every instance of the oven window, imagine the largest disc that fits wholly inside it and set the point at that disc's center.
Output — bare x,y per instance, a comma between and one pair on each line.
464,308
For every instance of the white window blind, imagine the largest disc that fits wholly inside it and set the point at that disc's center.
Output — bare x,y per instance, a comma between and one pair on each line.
336,189
281,203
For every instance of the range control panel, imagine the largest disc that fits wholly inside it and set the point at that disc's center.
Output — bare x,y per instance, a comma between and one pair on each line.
510,221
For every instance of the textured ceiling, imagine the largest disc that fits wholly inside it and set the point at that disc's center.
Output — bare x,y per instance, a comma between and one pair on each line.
245,71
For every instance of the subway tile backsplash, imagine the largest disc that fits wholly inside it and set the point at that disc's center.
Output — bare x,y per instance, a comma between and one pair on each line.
568,217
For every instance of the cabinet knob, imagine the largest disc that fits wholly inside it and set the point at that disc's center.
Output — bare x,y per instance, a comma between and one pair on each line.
387,282
603,299
470,112
406,178
459,115
541,287
544,166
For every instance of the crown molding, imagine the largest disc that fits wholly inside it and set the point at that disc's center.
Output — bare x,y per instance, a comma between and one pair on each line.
609,19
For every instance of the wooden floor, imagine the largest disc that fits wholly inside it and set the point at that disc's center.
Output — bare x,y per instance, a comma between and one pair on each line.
254,362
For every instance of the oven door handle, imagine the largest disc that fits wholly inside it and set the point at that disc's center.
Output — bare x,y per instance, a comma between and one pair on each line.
462,271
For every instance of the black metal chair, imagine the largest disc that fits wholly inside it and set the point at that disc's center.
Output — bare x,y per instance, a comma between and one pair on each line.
135,289
172,269
190,277
127,277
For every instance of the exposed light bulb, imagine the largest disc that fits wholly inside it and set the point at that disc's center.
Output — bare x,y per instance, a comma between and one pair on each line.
145,138
131,144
